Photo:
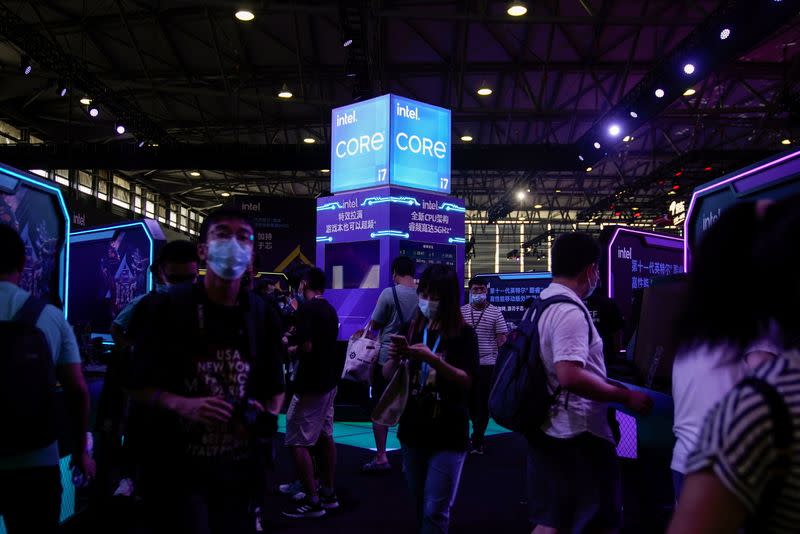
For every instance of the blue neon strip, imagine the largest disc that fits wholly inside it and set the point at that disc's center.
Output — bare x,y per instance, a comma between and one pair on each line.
324,239
330,206
63,281
522,276
459,240
449,206
106,232
372,201
389,233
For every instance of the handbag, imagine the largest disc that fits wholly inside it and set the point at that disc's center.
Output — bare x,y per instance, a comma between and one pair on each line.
362,355
390,407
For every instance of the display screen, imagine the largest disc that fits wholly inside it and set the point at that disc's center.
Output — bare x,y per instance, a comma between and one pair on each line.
510,292
390,140
634,259
425,254
108,269
353,265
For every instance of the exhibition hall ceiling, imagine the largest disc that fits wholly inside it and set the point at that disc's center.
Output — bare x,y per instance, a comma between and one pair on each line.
186,72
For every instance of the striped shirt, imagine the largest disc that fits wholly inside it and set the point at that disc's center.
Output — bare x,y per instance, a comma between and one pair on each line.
488,323
737,444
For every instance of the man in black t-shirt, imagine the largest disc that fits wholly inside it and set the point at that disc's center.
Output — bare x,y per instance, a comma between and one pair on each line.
309,420
208,364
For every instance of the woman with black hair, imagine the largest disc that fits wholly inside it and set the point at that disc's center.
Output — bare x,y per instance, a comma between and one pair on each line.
721,333
745,470
442,352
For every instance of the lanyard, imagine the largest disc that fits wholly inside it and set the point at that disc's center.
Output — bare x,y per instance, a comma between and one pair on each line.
480,317
425,368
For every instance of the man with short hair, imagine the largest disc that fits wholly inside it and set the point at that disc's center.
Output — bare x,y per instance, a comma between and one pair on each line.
391,316
30,481
489,324
573,470
309,419
208,361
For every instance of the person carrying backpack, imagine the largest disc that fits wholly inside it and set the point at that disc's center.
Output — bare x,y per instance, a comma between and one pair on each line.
573,471
37,345
391,316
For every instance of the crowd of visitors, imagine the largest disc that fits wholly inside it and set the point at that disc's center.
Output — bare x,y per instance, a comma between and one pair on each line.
204,368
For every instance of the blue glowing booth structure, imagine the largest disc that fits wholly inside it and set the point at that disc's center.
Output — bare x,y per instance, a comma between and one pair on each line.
773,178
110,267
36,209
390,172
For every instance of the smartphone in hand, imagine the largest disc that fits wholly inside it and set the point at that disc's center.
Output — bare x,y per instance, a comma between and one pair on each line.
399,341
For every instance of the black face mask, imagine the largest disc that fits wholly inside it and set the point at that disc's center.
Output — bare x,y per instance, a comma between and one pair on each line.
174,279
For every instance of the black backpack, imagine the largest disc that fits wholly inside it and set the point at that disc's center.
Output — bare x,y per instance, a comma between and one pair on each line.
27,383
520,399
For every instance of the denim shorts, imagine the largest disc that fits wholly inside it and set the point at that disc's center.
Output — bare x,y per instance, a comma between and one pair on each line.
574,483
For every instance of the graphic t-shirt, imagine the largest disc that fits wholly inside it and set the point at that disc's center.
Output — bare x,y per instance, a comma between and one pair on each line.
196,348
437,413
318,371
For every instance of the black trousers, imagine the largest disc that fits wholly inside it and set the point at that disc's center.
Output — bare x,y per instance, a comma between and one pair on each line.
479,402
30,500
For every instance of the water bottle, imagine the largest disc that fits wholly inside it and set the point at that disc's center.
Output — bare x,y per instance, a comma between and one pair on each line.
78,479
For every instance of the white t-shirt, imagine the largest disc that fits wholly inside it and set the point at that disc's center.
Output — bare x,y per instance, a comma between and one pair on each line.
564,337
701,376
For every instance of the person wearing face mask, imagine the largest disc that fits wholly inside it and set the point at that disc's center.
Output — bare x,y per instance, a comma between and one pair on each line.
491,328
442,353
573,475
207,363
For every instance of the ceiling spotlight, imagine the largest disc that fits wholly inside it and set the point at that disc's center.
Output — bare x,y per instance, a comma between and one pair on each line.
224,194
580,158
725,33
707,169
689,92
484,89
537,206
614,130
597,145
634,115
660,93
347,41
245,15
194,173
588,169
86,101
627,139
285,92
324,171
62,88
466,138
120,129
309,140
516,9
94,111
141,143
688,68
520,195
786,142
558,190
25,64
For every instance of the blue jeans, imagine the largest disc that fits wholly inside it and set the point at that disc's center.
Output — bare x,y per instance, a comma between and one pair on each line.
433,477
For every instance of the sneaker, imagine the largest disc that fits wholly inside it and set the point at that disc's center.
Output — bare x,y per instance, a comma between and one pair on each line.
305,509
329,502
291,489
373,466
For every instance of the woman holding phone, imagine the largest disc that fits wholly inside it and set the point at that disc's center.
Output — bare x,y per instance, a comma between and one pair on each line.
442,351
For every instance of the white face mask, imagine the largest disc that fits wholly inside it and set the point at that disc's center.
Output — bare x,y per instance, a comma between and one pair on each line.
228,259
477,298
594,281
429,308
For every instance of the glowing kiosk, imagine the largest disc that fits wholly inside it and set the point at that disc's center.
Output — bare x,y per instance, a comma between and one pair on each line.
109,267
36,209
390,175
772,178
